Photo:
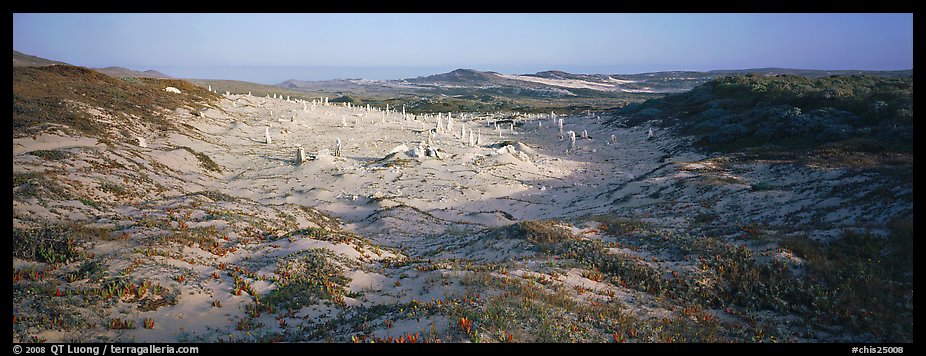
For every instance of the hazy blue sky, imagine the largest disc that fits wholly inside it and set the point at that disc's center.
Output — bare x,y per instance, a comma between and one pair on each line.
326,46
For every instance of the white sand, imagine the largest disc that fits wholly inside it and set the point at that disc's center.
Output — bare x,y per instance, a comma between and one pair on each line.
427,205
611,85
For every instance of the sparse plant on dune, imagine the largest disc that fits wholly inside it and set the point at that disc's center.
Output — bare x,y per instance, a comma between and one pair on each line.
668,260
541,232
119,324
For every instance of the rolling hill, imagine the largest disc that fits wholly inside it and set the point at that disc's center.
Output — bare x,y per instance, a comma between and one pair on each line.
24,60
460,76
125,72
787,113
552,90
144,215
554,84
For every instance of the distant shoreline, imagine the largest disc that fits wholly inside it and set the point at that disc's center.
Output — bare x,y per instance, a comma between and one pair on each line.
272,75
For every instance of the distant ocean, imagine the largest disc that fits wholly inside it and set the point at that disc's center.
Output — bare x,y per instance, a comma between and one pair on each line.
277,74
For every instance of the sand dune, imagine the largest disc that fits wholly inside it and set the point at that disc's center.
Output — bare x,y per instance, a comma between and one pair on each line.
451,210
611,85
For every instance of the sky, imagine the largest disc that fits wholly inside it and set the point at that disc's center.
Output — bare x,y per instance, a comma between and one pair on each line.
270,48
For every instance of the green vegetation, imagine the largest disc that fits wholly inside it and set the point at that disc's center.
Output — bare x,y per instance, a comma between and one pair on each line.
343,99
860,281
89,203
865,281
203,237
616,225
132,80
790,112
331,232
217,196
525,311
621,269
41,185
92,269
51,155
306,278
114,189
541,232
23,178
51,244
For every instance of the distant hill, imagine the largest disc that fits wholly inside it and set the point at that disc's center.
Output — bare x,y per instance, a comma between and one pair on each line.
129,73
552,74
557,74
459,76
24,60
334,85
242,87
552,90
470,89
460,83
556,83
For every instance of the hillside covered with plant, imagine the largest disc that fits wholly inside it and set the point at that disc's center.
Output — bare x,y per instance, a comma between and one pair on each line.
856,113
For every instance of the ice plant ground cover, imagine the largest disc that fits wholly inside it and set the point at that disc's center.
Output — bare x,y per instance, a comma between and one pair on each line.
213,232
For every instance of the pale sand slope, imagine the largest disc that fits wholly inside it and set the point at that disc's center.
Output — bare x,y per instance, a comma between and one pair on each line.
476,186
444,209
613,84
